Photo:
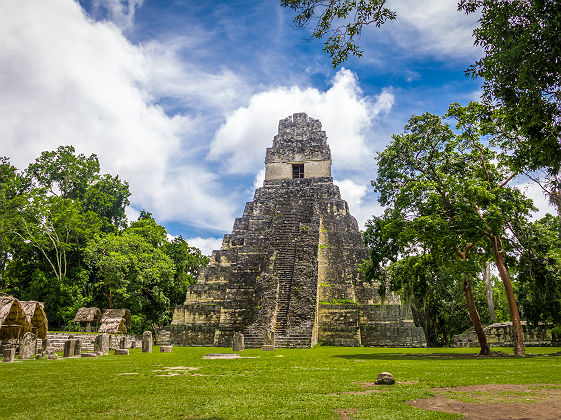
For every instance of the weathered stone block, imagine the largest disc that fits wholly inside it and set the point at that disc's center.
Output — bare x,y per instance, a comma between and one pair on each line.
77,347
147,342
123,342
69,346
166,349
238,342
121,352
9,355
28,346
101,344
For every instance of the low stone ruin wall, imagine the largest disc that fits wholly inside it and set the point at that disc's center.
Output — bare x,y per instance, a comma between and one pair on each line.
57,340
500,335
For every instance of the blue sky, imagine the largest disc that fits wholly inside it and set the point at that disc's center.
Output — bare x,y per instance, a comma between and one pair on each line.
181,98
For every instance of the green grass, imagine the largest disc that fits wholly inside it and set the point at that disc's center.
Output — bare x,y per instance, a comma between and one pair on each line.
300,384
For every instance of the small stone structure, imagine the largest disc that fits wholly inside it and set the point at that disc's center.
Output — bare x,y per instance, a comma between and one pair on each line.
14,322
88,316
77,347
500,335
268,341
237,342
9,354
166,349
69,347
121,352
57,340
102,344
147,342
115,321
37,318
28,346
291,264
93,354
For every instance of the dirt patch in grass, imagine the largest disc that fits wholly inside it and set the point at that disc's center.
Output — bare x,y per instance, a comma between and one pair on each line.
496,401
345,413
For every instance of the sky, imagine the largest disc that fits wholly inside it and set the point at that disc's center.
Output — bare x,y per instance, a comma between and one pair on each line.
180,98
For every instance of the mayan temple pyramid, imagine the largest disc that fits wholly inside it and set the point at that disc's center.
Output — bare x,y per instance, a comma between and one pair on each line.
290,265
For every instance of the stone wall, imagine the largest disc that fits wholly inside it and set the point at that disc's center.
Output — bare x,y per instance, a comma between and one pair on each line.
500,335
57,340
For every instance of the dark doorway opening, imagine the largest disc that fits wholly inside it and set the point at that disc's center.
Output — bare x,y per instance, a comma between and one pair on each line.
298,170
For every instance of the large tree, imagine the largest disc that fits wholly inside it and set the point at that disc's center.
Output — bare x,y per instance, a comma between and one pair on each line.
451,188
521,68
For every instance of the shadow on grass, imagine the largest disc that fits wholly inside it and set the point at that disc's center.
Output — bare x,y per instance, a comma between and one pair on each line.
421,356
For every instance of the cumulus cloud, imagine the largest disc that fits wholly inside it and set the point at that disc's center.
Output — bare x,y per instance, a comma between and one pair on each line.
66,79
347,115
173,77
351,192
206,245
433,27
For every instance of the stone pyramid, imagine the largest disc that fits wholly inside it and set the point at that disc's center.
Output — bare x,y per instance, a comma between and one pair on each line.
290,265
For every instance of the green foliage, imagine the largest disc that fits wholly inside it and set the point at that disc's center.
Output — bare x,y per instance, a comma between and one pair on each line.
521,68
64,241
448,206
341,21
539,270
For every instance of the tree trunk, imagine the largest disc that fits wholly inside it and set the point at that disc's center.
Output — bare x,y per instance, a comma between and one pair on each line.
487,277
420,320
518,336
474,315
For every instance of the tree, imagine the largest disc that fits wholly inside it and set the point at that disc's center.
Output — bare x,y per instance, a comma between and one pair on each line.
521,68
108,197
450,188
147,227
426,278
64,174
539,270
56,227
12,189
341,21
188,261
130,271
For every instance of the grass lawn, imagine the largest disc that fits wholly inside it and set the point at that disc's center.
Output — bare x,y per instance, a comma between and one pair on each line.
286,383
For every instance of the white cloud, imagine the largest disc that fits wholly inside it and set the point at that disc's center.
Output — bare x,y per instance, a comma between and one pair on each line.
351,192
433,27
347,115
259,179
532,190
173,77
206,245
120,12
361,199
68,80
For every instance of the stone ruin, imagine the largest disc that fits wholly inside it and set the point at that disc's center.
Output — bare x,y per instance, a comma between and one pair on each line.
291,264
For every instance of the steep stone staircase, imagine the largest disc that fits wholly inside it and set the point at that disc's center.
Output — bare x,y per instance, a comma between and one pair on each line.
284,244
